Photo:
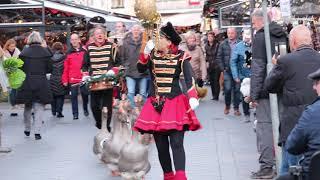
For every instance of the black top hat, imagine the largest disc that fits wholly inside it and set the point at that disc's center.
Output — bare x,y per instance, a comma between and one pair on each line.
315,75
98,20
93,22
170,33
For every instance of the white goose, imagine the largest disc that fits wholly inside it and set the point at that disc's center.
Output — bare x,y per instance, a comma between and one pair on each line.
121,134
103,134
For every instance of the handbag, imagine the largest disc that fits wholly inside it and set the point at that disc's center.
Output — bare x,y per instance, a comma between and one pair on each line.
158,103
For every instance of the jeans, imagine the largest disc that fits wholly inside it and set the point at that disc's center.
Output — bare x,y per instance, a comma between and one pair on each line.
246,107
131,84
12,97
74,99
288,160
231,87
38,116
57,104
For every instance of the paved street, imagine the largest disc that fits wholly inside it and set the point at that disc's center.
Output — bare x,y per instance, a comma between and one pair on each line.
223,150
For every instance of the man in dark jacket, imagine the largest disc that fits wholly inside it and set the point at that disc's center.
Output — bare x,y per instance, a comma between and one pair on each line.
229,85
129,57
289,78
259,95
305,136
211,48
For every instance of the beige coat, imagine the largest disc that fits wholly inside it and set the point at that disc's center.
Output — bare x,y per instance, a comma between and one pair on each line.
198,62
8,55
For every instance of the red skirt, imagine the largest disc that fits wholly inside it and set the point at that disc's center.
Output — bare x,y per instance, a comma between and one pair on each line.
175,115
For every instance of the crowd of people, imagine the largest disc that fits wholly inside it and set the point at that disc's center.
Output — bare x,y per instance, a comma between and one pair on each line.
224,64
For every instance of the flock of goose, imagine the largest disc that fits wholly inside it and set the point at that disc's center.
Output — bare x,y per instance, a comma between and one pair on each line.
124,151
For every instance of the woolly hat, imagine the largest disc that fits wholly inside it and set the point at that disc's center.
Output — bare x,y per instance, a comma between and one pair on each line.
170,33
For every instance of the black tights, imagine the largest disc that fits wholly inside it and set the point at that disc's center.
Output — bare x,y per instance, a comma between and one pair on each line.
176,143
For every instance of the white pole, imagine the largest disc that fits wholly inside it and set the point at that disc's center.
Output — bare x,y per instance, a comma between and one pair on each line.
3,149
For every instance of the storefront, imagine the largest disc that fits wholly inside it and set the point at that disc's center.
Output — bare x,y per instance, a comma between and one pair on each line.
55,20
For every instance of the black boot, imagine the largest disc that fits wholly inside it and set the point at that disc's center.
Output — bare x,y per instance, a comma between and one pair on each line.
60,115
27,133
37,136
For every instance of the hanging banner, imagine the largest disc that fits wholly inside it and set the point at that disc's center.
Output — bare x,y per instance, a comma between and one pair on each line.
285,8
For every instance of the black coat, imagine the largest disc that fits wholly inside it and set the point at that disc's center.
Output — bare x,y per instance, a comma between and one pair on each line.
36,65
305,137
56,85
211,54
290,79
224,55
259,59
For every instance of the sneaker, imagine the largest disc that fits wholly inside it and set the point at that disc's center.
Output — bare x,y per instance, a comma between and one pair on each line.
265,173
75,117
13,114
54,113
246,119
237,112
37,136
226,110
27,133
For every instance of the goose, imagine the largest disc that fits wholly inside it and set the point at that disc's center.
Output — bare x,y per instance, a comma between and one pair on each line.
133,163
120,135
103,134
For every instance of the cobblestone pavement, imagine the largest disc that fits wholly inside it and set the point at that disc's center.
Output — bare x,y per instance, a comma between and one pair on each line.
223,150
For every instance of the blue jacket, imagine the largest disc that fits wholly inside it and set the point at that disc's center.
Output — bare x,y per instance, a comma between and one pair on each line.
238,66
305,137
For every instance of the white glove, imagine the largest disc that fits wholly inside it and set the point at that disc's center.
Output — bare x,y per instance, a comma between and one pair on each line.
194,103
149,47
85,78
48,76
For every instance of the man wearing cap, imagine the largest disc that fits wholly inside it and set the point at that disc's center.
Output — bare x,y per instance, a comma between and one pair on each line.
168,112
305,136
289,78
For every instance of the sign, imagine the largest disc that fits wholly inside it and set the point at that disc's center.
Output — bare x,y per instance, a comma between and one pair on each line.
194,2
285,8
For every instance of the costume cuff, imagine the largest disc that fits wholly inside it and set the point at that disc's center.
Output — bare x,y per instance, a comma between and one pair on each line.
143,59
192,93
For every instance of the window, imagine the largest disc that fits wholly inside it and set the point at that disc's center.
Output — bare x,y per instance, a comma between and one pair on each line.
117,4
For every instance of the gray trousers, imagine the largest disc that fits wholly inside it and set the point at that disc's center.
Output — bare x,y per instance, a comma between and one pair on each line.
264,134
38,110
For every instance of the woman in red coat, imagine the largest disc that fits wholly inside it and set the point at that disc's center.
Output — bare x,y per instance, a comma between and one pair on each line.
168,113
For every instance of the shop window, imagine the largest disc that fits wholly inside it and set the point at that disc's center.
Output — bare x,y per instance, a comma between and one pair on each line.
117,4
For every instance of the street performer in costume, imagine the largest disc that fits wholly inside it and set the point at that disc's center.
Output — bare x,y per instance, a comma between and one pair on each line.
99,60
168,113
